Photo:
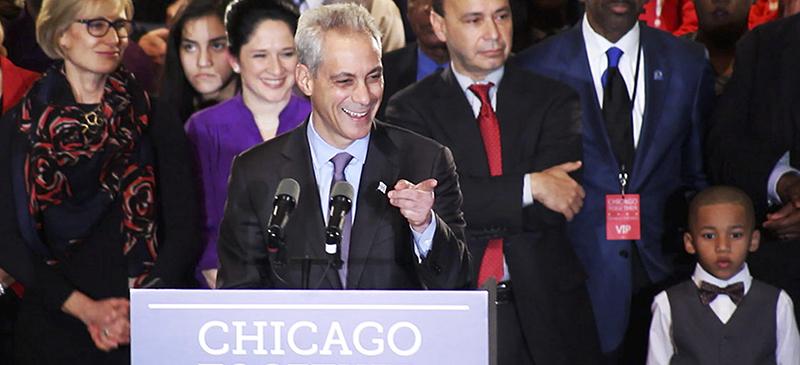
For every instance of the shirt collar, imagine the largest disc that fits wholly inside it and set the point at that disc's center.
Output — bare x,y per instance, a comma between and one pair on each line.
465,81
597,45
322,152
743,275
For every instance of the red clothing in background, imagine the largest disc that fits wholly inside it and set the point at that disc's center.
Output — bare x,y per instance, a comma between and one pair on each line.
16,82
679,17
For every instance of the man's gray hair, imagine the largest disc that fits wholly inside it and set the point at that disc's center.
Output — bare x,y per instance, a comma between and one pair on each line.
314,23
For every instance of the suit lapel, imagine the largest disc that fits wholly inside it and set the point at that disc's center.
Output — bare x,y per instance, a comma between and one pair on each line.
574,55
300,167
656,82
409,75
510,115
380,167
453,112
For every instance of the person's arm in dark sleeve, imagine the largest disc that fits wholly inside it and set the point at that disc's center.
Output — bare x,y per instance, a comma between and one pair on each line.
179,205
244,262
447,264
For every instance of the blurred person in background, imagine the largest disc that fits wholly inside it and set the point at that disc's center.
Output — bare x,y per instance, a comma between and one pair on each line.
152,33
21,40
535,20
389,20
385,12
722,24
679,17
9,10
753,144
789,8
14,83
407,65
197,73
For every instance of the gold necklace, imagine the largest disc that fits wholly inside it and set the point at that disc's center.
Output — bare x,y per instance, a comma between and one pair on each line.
92,119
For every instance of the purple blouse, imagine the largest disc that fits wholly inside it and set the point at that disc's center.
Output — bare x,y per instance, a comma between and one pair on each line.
219,134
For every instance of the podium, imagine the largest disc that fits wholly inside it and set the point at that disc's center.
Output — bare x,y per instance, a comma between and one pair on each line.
305,327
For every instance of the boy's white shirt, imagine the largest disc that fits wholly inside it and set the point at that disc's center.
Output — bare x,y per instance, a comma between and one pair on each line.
662,347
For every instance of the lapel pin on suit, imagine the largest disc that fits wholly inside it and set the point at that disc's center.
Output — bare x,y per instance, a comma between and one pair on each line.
658,75
382,187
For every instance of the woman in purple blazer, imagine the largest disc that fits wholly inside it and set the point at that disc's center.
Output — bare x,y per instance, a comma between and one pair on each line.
261,43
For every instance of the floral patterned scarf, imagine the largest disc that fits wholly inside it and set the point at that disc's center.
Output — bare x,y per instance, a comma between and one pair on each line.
82,161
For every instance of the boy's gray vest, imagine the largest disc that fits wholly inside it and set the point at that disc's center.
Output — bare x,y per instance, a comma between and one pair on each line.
701,338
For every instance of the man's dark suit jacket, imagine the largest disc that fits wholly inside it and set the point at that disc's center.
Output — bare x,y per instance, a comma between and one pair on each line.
668,162
756,118
539,128
756,121
381,248
399,71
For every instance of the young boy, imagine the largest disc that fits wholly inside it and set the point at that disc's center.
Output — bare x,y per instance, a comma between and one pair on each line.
722,315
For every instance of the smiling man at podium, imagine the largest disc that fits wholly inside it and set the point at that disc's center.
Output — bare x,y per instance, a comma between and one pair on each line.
405,229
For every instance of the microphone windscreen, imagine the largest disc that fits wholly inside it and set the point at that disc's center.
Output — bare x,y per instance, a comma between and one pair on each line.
342,188
290,187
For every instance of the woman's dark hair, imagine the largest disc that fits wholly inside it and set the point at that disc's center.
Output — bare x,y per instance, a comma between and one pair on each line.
176,90
243,16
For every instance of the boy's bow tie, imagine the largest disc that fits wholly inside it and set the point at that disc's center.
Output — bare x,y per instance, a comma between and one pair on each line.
710,291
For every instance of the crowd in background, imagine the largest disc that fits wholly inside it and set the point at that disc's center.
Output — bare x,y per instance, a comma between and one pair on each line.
115,163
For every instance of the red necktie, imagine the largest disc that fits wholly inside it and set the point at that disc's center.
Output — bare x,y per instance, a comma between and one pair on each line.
492,262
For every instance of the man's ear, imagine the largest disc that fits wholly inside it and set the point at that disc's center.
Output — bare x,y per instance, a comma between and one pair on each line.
755,240
688,243
304,79
437,22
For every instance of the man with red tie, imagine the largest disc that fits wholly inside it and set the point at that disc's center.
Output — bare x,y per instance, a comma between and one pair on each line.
516,139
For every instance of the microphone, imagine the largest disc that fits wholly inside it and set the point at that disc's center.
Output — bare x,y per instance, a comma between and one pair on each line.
286,196
340,203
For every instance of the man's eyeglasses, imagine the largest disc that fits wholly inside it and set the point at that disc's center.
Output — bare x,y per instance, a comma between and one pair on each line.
98,27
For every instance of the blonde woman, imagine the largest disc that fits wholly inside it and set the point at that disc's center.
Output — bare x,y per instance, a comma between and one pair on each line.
81,223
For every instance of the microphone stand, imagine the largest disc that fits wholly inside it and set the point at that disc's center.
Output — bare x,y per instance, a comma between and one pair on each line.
330,260
277,250
305,271
306,262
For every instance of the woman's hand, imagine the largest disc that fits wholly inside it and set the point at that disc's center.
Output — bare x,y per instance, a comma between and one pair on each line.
211,278
110,336
107,320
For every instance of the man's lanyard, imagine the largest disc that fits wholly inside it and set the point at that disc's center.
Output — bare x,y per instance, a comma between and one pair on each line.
623,211
623,176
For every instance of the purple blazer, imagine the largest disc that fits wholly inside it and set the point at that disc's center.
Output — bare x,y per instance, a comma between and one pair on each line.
219,134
